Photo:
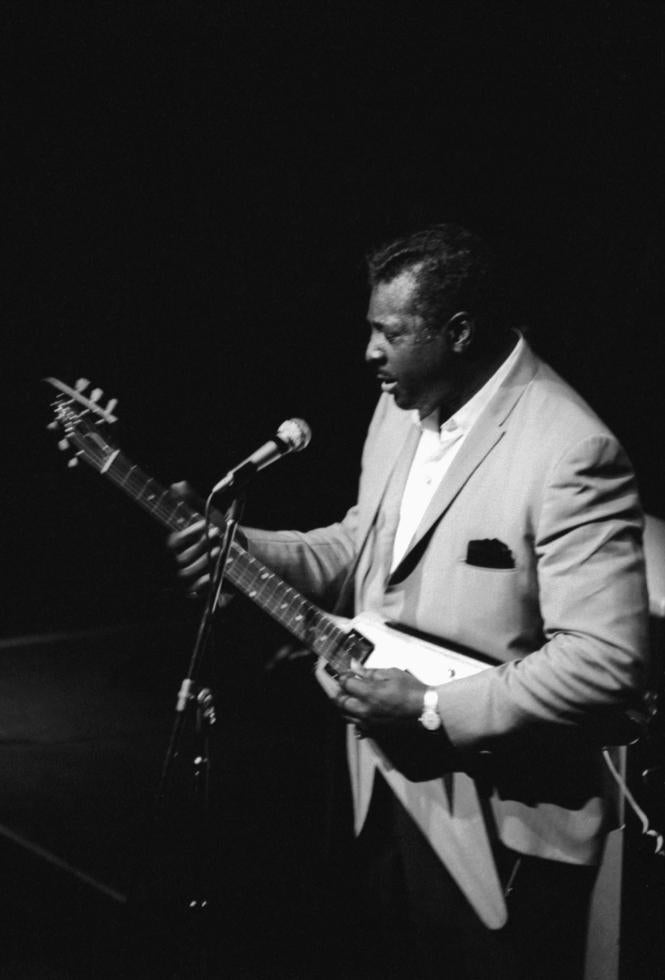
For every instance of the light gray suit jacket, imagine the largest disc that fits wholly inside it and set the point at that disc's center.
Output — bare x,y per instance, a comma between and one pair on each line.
567,624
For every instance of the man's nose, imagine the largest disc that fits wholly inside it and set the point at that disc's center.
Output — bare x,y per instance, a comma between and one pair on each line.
374,351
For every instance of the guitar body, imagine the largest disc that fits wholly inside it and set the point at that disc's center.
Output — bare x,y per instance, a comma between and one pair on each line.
432,663
417,754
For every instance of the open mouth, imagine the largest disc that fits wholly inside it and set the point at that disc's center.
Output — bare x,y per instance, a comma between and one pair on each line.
387,384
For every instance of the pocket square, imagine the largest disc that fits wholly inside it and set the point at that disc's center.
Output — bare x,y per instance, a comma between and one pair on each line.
489,553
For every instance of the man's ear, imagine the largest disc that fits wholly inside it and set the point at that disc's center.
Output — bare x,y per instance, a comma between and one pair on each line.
461,331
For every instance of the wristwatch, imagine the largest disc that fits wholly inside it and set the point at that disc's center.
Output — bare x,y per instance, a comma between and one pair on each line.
430,718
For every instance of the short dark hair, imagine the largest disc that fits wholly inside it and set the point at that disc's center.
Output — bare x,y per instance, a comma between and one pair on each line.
457,270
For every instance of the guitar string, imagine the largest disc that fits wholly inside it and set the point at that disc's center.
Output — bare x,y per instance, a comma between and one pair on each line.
305,620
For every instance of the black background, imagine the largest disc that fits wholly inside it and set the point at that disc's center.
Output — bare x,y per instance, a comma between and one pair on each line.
189,190
189,194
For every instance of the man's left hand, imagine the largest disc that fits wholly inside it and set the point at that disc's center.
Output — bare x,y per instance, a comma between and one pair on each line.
380,697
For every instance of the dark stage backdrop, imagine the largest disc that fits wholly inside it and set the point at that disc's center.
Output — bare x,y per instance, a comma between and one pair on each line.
189,192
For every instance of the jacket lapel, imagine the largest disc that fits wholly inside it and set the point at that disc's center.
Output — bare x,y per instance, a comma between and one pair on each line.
479,443
394,449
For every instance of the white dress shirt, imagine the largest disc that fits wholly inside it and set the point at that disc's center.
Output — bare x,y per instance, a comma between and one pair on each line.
438,446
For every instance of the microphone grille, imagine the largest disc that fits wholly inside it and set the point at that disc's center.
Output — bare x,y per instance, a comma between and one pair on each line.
295,434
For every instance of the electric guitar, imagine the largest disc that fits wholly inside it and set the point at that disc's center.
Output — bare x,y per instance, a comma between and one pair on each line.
411,761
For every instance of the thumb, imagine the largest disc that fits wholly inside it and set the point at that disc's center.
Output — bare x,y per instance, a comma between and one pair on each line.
183,490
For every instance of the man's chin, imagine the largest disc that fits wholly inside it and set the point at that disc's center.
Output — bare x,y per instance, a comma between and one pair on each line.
401,399
404,402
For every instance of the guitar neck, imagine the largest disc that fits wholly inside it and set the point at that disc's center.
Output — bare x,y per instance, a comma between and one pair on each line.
305,621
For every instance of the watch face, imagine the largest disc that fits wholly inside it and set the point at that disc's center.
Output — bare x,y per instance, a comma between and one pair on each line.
430,720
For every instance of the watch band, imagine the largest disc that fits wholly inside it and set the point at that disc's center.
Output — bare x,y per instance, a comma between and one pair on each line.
430,718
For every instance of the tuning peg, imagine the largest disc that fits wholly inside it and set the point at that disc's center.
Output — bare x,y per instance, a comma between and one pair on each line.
96,394
111,407
52,426
81,384
63,445
71,463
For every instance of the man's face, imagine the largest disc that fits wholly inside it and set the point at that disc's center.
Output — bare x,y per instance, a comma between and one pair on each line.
412,363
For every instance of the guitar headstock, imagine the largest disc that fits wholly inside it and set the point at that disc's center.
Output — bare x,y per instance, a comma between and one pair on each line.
79,417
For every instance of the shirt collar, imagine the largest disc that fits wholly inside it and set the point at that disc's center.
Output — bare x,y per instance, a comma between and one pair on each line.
470,411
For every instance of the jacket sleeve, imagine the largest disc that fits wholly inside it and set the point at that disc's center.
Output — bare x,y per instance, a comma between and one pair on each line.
593,602
319,562
314,562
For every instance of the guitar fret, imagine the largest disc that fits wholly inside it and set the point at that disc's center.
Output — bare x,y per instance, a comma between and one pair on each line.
128,474
146,495
178,517
108,462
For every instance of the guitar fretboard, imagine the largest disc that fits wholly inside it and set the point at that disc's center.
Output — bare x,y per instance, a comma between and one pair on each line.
304,620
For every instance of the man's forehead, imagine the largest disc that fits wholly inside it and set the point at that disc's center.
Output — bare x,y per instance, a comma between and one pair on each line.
393,299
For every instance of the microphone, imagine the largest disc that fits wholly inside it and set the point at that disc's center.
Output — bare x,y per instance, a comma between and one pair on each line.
292,436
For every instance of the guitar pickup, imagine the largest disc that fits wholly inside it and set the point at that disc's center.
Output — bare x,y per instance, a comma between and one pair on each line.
355,651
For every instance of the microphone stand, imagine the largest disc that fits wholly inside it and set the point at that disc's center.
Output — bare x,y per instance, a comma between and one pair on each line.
193,698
